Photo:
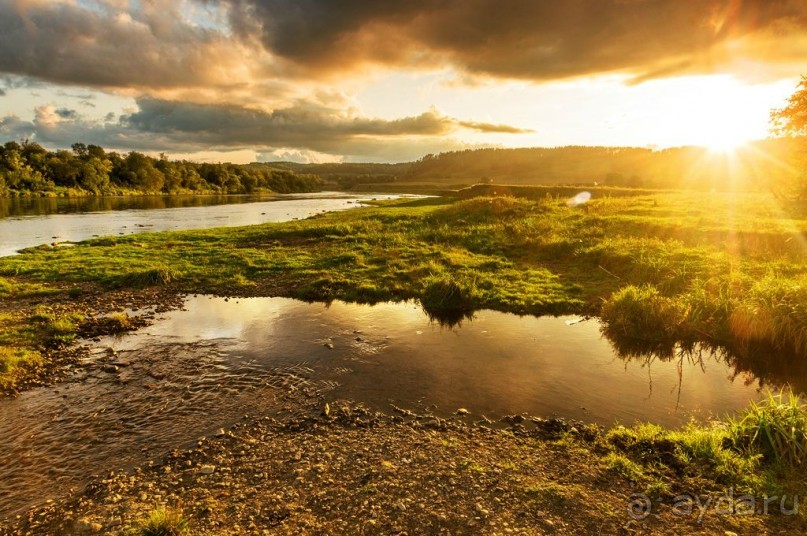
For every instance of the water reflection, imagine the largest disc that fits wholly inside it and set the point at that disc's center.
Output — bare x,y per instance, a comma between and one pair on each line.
201,368
751,363
448,318
492,363
43,206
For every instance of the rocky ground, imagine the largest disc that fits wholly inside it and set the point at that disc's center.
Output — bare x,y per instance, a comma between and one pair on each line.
94,306
341,469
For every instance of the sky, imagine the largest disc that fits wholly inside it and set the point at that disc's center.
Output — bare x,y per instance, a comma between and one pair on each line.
393,80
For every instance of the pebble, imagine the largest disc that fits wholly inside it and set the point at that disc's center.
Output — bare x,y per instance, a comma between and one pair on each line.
207,469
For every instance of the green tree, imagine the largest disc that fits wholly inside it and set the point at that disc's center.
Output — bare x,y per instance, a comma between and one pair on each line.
791,121
141,173
95,174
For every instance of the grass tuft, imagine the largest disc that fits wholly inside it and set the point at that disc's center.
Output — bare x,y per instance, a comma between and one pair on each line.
776,428
164,522
159,275
444,295
642,311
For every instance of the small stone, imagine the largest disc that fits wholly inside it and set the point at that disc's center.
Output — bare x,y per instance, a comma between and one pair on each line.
328,345
462,411
207,469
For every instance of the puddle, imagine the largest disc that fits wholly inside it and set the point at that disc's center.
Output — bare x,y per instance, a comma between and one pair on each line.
202,368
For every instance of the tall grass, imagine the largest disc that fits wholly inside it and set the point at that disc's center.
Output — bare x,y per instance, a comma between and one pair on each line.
158,275
776,428
773,311
752,449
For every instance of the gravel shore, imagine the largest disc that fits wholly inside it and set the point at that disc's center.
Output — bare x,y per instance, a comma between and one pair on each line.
342,469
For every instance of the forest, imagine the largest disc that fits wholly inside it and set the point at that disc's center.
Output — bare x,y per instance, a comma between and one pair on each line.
27,168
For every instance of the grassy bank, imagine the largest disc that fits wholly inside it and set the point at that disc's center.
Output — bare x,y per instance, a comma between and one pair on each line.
663,269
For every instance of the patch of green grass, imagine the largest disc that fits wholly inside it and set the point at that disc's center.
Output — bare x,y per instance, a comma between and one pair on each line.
164,522
12,360
18,289
660,267
470,465
624,466
760,450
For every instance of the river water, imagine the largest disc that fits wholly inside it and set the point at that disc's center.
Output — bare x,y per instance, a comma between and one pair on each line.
201,368
31,222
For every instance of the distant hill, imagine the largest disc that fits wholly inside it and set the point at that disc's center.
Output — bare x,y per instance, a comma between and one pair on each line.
755,166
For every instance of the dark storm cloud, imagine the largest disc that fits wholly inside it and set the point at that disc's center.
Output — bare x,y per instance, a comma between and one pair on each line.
535,39
153,44
113,45
66,113
175,126
303,125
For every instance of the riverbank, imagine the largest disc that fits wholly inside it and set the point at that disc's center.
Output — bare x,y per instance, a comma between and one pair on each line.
662,269
335,467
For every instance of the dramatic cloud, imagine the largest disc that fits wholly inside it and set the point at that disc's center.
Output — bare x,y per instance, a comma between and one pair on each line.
114,45
305,125
536,40
288,75
173,126
259,44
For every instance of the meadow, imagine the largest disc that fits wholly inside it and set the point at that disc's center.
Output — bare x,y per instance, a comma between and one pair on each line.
660,268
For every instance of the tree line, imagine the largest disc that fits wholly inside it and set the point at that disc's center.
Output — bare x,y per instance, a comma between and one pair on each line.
27,168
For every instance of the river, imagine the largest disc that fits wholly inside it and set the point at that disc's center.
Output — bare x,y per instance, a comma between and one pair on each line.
31,222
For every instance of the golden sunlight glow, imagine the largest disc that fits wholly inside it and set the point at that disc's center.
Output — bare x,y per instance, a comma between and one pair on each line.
727,144
719,115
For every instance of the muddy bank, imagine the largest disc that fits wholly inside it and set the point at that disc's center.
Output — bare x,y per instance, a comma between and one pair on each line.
346,470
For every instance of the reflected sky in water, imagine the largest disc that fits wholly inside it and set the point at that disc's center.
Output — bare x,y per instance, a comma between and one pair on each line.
495,364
